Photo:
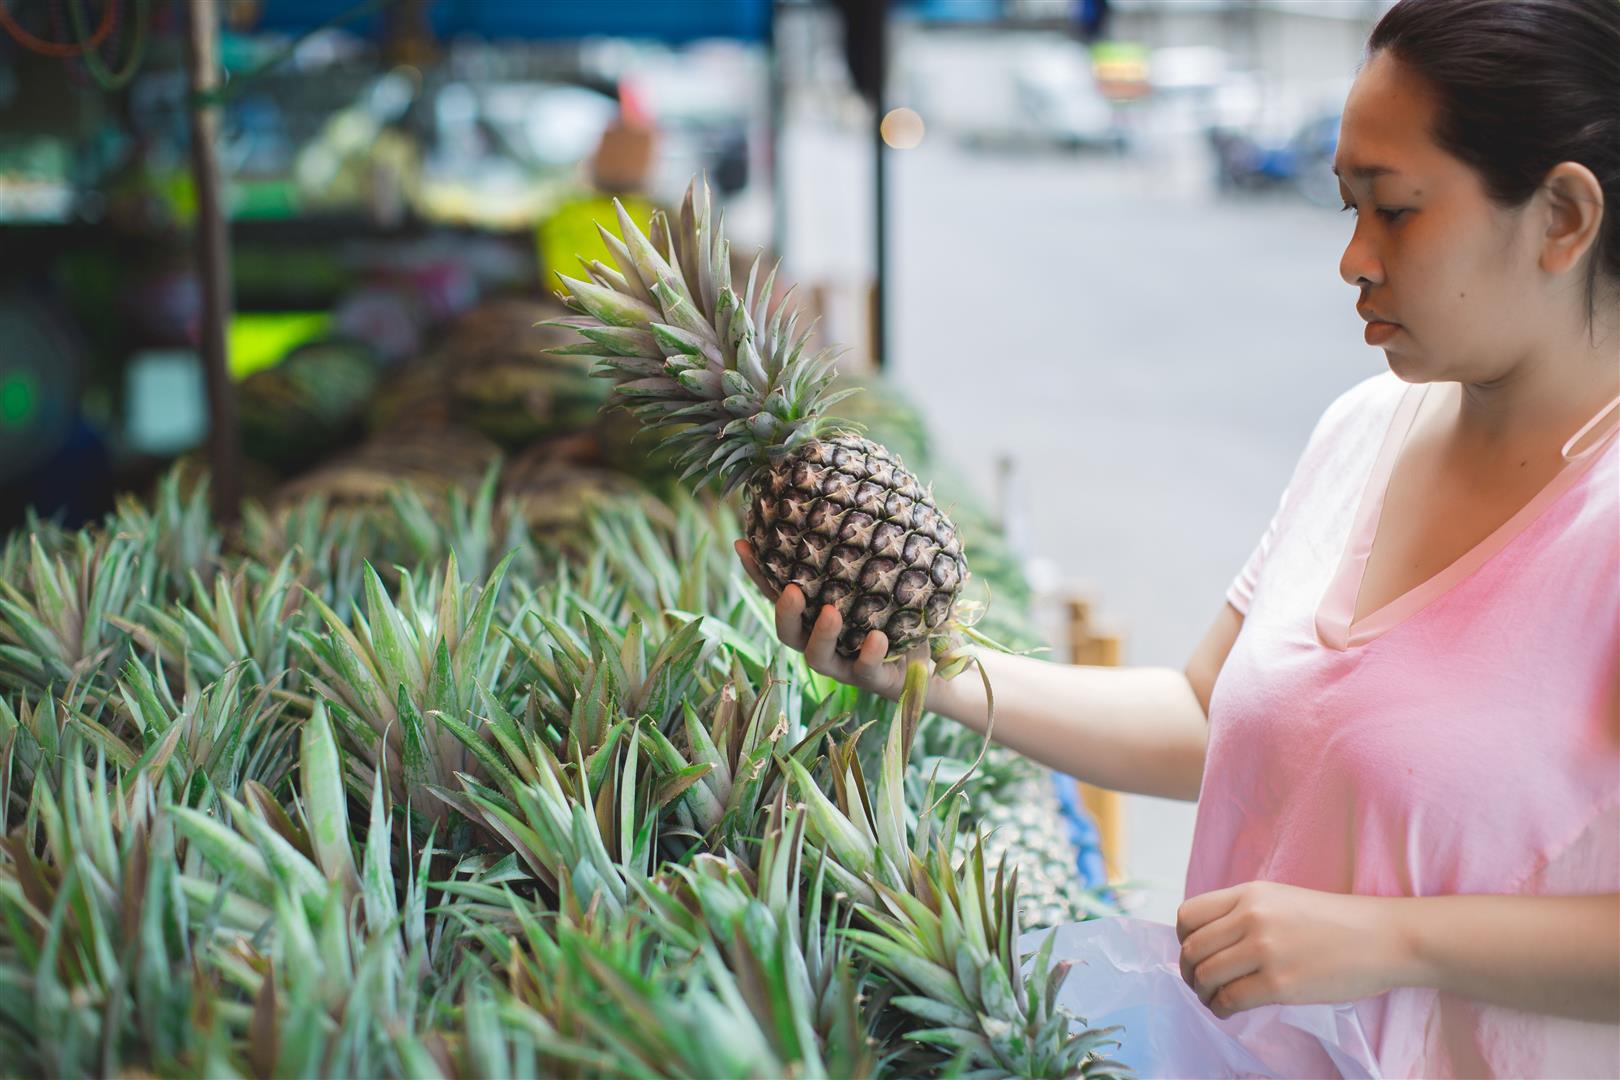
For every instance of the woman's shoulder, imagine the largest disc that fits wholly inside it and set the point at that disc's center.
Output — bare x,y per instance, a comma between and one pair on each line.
1367,405
1354,422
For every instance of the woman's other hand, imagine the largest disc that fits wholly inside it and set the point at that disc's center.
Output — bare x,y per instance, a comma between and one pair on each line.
1267,943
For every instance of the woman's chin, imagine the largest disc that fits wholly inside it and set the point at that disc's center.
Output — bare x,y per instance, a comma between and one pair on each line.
1406,366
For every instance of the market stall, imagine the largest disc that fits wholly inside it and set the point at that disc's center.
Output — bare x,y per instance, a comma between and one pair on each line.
462,745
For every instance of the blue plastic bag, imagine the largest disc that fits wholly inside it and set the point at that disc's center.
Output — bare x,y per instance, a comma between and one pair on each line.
1128,971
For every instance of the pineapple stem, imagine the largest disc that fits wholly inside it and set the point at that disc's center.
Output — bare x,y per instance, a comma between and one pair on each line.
957,654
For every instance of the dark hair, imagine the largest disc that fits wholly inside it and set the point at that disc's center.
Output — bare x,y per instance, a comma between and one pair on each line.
1521,86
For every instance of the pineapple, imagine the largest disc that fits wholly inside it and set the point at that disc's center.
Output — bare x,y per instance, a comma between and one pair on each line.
1022,823
723,379
509,387
297,412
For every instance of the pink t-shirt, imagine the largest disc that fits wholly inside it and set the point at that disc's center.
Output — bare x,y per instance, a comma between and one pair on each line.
1464,738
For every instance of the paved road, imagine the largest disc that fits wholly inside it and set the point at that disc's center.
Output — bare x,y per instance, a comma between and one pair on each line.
1152,357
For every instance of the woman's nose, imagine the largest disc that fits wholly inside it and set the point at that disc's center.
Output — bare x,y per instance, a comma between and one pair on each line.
1359,266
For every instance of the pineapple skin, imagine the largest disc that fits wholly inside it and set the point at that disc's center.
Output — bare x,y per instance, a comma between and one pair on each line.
844,520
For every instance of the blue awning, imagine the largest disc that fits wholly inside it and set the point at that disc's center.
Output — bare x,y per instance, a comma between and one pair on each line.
673,21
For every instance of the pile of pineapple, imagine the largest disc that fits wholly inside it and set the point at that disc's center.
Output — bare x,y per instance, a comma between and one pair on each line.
472,751
395,789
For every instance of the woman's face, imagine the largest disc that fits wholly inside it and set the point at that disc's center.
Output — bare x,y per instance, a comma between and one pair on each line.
1448,281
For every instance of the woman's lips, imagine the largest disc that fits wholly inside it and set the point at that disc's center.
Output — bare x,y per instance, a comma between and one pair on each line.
1379,332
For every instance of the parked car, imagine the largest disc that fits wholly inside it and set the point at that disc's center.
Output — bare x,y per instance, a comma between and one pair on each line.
1005,88
1266,136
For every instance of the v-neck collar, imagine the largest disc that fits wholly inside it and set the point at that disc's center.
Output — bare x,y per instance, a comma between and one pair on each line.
1334,626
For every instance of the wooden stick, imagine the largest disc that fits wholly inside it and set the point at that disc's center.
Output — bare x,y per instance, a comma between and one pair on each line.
213,259
1107,808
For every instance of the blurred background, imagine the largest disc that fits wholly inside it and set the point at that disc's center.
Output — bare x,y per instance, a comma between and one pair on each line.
1093,241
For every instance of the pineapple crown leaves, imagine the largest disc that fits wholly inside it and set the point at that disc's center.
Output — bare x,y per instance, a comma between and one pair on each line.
741,748
307,958
404,662
222,735
667,555
868,831
161,827
34,733
951,942
712,949
61,628
590,824
580,683
945,934
96,924
243,615
723,378
267,848
756,923
334,925
683,1017
476,528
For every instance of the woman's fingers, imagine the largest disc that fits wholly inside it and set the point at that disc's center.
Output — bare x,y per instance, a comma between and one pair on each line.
820,645
821,651
868,666
790,618
745,554
1203,944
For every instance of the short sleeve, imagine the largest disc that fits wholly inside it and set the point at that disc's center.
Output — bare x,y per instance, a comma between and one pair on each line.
1241,591
1322,449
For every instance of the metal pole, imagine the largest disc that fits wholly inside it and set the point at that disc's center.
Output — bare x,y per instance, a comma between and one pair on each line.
880,185
778,116
213,259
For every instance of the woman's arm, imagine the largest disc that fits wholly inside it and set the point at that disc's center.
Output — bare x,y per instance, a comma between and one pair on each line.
1266,943
1141,730
1547,954
1136,729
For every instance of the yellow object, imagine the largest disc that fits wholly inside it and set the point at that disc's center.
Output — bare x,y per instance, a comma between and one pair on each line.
1119,60
570,234
258,341
1107,808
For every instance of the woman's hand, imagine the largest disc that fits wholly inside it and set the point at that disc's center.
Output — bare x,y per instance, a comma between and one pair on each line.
868,671
1265,943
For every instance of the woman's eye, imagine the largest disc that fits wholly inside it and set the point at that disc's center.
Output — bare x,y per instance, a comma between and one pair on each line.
1388,215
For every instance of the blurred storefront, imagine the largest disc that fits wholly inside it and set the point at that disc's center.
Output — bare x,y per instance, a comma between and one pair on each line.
403,179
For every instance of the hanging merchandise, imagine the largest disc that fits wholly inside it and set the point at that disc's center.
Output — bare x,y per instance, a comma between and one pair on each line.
60,50
105,77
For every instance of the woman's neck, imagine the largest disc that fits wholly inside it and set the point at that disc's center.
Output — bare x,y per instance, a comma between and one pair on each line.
1547,396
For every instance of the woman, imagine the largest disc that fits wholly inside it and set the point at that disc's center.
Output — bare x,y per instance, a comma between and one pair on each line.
1403,728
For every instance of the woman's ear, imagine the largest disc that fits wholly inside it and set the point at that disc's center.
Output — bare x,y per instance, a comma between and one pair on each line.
1574,201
